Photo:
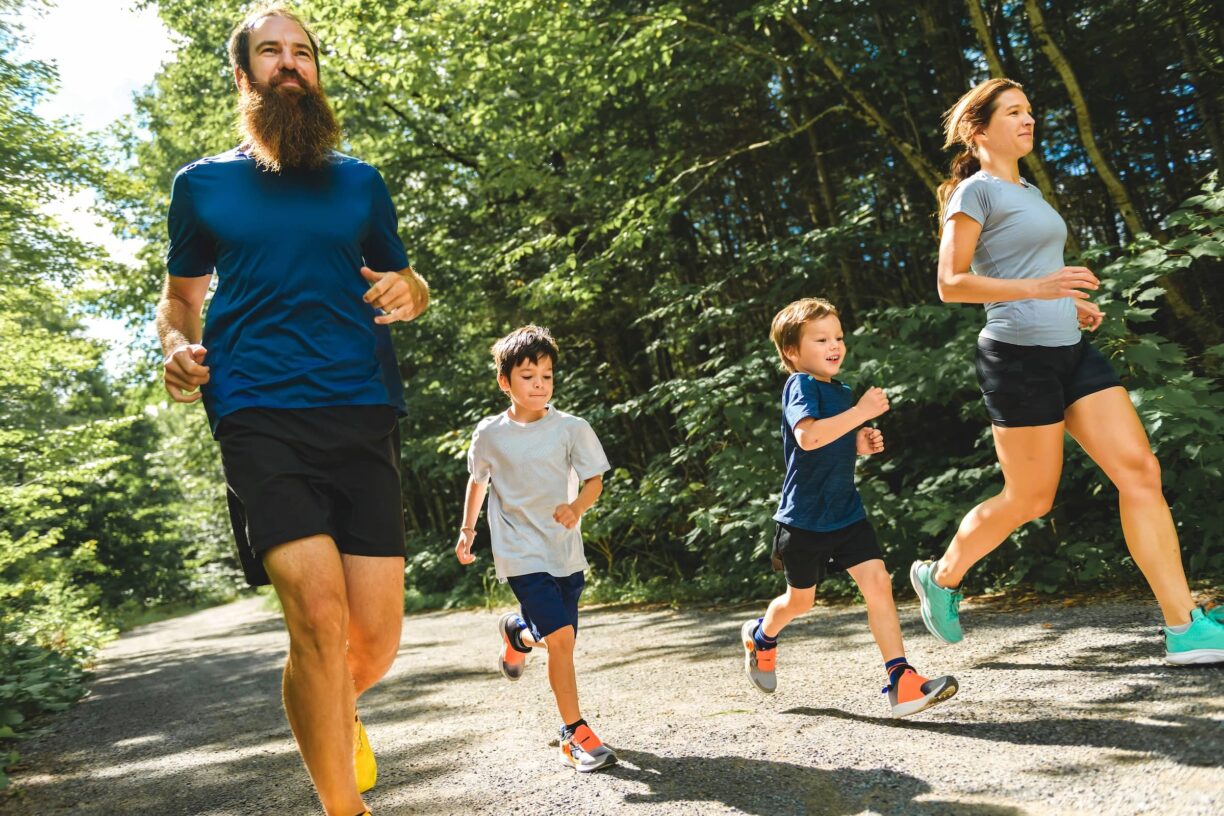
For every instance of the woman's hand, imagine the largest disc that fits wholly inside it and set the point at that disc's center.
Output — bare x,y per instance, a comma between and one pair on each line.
1089,314
1070,281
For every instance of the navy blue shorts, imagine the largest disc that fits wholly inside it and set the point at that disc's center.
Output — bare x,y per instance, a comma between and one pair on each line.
546,602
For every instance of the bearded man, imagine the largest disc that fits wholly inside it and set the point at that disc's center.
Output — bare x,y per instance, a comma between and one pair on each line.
300,383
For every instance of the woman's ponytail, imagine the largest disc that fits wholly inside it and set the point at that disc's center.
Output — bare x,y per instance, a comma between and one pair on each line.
964,165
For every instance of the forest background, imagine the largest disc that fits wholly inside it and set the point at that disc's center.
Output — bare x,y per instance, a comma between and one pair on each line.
651,180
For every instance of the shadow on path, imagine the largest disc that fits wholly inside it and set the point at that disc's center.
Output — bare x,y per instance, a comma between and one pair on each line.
1194,741
766,788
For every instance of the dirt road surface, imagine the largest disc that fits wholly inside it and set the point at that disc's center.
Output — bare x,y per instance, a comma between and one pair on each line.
1061,711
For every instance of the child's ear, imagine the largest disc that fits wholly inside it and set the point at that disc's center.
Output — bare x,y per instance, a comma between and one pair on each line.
503,383
791,354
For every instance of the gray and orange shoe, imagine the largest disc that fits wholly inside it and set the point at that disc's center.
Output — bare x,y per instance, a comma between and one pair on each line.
759,664
585,752
510,661
912,692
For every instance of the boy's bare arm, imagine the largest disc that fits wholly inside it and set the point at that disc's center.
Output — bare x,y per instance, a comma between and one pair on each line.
473,500
813,433
567,515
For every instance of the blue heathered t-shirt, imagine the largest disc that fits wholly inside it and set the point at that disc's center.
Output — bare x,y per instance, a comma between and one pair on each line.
287,326
818,493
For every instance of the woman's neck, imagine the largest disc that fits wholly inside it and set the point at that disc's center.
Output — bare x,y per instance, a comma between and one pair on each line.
1006,168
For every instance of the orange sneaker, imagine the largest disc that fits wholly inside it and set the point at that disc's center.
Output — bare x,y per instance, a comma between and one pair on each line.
584,751
759,664
913,692
510,661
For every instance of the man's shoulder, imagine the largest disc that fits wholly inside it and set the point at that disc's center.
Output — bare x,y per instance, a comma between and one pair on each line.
351,164
232,158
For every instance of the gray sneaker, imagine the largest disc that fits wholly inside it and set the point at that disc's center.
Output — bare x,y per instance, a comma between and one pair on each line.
940,606
758,665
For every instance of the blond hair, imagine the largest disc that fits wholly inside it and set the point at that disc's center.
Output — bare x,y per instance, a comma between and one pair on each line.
787,326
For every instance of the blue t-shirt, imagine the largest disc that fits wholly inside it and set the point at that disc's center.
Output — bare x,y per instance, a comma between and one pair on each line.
287,326
818,493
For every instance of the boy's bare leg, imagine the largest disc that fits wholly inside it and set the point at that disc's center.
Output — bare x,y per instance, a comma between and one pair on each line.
375,587
561,676
785,608
876,585
318,689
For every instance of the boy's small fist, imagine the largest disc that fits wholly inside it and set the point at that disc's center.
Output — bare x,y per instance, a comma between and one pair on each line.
565,516
869,441
463,548
873,402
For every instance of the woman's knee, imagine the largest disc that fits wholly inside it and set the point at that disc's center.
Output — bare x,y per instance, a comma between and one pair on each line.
1139,473
1026,506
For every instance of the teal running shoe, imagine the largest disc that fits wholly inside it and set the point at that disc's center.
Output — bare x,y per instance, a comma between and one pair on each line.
1202,643
940,606
1216,613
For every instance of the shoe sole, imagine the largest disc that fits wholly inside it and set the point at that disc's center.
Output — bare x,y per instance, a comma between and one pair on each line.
914,706
1195,657
748,645
501,665
607,761
924,605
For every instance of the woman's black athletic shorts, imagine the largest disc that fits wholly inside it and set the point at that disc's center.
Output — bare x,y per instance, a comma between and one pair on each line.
808,556
1025,386
298,472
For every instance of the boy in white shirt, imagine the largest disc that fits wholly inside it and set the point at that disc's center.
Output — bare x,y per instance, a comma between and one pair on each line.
535,458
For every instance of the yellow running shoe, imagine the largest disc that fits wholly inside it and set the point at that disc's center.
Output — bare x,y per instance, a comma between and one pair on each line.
363,759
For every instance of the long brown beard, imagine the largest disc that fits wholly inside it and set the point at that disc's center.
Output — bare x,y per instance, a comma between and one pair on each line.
285,129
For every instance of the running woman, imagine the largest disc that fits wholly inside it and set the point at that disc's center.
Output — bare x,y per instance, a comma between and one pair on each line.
1001,246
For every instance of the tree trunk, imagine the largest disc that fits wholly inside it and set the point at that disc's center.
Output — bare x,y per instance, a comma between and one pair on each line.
926,172
1202,93
1113,185
1032,161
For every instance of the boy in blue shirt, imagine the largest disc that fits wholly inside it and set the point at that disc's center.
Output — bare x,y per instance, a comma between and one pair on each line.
531,459
821,521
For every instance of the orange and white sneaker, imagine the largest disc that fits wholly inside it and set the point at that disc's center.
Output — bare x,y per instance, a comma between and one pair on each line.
510,661
584,751
759,664
913,692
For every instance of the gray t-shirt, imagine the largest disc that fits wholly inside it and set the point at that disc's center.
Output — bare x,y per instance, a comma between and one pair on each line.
1022,237
533,468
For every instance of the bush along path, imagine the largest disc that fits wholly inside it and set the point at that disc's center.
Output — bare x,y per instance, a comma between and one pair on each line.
1062,710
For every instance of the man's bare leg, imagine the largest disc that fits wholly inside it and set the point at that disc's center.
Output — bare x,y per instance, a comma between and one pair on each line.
309,578
375,588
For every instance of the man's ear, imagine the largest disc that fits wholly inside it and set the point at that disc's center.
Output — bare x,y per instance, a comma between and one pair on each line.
240,77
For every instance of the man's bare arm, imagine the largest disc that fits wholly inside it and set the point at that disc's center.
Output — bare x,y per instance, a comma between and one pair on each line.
180,328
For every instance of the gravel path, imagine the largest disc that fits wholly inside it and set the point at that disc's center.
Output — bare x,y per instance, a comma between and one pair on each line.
1061,711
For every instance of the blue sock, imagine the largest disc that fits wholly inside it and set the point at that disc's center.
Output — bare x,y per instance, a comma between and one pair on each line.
895,668
763,641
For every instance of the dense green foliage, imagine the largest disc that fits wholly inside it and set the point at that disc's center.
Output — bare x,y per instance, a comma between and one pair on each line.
651,180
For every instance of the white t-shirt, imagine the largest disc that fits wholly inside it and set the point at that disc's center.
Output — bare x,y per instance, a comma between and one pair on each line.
1022,237
534,467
